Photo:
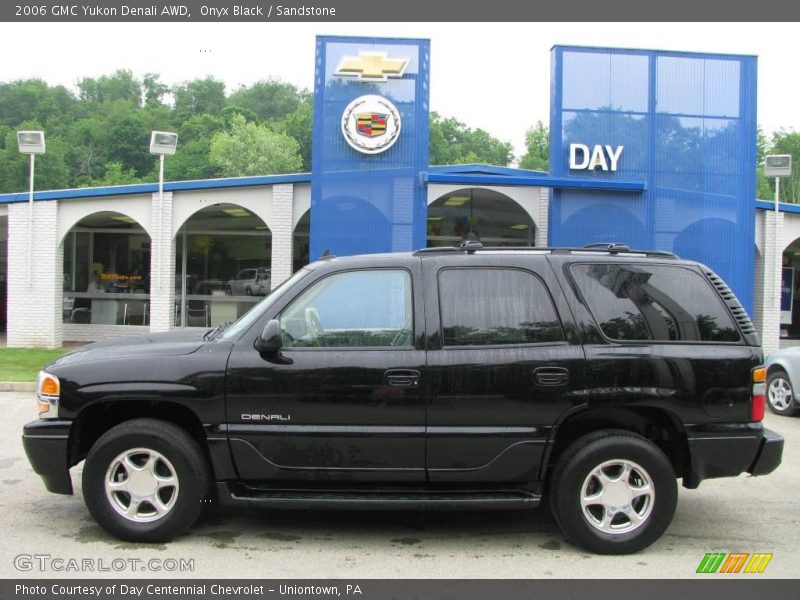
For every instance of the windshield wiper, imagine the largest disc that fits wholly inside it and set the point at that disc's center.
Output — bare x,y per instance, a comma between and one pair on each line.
210,335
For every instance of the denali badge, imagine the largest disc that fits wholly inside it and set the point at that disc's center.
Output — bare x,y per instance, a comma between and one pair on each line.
266,417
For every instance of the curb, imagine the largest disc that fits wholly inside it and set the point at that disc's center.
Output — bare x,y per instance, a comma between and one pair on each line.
17,386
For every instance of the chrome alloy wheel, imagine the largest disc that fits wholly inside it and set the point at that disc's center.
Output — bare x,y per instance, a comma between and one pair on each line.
780,393
617,496
141,485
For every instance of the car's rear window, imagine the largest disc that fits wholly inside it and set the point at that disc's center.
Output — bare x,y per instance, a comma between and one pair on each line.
633,302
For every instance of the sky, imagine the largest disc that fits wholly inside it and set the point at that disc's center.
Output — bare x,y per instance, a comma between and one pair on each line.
493,76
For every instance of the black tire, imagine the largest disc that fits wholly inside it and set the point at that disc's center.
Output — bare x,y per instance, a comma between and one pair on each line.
180,453
248,292
572,476
777,381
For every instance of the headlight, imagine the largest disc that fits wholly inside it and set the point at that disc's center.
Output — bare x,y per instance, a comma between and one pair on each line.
48,390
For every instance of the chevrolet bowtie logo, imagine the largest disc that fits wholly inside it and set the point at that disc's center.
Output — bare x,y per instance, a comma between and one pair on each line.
372,66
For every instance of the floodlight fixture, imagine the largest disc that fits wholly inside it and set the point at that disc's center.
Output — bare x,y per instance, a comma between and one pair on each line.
163,143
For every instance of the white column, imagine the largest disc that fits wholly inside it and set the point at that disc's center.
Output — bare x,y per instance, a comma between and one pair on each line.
767,306
281,229
35,309
542,223
162,265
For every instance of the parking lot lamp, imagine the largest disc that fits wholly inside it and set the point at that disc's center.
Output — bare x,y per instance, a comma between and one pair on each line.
30,143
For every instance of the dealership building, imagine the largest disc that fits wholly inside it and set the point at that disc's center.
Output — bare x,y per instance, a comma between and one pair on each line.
651,149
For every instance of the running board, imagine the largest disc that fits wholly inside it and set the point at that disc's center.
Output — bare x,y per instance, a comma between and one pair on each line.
241,496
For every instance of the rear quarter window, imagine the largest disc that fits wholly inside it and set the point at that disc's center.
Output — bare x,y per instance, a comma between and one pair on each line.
635,301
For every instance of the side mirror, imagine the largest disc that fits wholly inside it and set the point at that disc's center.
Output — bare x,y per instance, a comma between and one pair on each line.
270,338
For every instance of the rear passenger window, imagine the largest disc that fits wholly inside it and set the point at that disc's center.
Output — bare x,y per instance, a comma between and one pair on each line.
496,306
654,302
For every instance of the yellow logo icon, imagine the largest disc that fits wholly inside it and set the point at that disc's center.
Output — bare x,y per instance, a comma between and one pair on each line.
372,66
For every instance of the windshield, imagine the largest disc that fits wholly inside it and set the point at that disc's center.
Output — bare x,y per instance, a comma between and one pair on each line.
243,324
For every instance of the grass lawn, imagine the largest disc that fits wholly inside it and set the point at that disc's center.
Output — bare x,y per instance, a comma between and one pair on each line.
23,364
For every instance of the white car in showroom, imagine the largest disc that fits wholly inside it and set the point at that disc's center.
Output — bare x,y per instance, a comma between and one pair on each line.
250,282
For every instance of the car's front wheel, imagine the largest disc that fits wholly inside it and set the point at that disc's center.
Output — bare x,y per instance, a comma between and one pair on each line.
613,492
780,394
145,480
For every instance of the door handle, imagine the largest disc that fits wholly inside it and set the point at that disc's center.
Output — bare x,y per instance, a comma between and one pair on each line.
401,377
551,375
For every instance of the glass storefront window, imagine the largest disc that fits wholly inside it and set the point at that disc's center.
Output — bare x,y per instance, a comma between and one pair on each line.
223,255
106,274
479,214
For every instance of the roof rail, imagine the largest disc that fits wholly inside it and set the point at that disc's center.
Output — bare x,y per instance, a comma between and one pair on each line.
470,247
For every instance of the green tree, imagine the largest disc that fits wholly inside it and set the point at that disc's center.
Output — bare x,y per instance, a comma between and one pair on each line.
116,174
298,125
34,100
453,143
763,189
537,148
153,89
121,85
269,100
787,142
199,96
191,160
252,149
52,171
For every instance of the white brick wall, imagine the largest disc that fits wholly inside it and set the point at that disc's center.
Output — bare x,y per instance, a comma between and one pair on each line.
162,265
766,305
34,306
542,222
281,229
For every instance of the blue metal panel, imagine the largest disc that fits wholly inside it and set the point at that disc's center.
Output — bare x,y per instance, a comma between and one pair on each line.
363,203
770,205
688,124
152,188
534,180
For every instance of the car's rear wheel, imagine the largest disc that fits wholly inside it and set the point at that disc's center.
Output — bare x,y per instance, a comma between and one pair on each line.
780,394
613,492
144,480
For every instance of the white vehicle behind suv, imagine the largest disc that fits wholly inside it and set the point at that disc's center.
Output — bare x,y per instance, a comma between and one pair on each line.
250,282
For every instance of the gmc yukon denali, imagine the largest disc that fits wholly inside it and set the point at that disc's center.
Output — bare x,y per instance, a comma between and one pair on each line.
448,378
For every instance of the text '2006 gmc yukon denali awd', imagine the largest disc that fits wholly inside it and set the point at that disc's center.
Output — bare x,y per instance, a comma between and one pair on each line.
461,378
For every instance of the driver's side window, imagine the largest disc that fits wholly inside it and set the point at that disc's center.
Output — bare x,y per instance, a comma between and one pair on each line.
368,308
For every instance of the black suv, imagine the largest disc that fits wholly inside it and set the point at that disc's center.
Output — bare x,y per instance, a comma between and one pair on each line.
458,378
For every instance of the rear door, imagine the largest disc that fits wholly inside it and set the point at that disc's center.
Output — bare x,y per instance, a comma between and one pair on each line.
501,365
664,339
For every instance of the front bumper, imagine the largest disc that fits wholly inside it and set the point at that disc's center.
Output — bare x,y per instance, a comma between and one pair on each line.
45,442
727,451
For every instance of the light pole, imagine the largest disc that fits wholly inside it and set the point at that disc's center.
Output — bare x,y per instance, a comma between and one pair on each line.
30,143
162,143
777,166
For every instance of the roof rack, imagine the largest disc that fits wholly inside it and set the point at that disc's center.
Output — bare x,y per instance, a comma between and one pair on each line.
470,247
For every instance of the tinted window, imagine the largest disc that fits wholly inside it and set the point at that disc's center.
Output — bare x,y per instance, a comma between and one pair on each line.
496,306
353,309
643,302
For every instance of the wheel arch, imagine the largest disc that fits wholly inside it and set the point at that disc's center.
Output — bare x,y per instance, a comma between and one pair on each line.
96,419
660,426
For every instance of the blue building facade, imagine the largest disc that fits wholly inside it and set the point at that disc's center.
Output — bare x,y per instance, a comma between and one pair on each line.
369,146
648,148
652,149
684,125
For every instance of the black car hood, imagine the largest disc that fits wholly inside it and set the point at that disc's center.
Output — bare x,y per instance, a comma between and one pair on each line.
169,343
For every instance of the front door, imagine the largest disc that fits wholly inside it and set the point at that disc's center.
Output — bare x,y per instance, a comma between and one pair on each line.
345,398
